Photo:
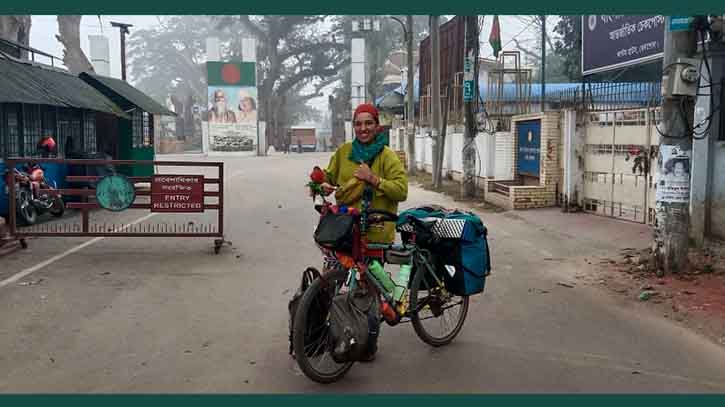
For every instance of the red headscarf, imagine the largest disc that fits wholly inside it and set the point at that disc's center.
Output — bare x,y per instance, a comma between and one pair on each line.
367,108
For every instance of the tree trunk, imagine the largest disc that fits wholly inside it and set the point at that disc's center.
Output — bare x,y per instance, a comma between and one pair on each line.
16,28
179,110
69,29
189,115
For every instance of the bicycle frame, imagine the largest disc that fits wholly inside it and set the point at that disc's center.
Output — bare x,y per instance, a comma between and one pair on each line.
363,253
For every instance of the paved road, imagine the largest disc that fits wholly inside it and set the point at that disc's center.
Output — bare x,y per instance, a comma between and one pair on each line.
147,316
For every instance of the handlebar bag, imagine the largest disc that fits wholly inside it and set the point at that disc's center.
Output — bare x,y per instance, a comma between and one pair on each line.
335,231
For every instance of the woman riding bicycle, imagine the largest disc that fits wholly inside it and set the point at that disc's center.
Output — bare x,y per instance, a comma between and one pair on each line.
367,160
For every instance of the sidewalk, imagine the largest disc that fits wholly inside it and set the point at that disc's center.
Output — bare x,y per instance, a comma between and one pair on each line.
610,255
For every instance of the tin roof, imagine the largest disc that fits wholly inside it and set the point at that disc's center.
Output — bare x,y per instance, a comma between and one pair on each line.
26,82
113,88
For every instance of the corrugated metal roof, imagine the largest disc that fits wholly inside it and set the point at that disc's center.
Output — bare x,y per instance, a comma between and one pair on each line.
126,91
24,82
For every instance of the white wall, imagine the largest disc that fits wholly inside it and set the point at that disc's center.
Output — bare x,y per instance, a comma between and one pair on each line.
504,156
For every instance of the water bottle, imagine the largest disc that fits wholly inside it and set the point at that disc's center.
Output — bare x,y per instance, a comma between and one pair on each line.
402,284
383,278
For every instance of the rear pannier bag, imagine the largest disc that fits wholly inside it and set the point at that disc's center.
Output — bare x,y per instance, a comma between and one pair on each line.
461,252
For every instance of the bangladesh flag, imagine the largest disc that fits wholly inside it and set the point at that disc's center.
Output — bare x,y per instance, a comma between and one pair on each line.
495,37
231,74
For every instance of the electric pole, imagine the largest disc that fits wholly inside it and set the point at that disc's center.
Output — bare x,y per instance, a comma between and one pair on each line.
123,29
543,63
679,89
410,123
470,92
435,80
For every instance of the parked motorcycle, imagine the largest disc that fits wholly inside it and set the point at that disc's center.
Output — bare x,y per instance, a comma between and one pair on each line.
34,196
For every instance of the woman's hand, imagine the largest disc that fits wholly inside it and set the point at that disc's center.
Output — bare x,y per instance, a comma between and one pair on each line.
328,188
364,173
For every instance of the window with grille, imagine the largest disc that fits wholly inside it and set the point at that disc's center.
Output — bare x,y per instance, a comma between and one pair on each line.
89,133
47,116
12,133
137,136
32,129
69,131
147,129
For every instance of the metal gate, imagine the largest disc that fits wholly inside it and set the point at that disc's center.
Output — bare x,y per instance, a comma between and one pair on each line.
619,156
169,193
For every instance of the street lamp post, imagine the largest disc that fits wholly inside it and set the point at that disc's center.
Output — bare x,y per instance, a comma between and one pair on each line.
410,105
359,74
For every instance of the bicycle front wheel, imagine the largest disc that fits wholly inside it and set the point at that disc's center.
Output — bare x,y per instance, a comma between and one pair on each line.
312,329
437,315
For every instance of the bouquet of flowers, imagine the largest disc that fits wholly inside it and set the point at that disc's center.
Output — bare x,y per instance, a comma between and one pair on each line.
317,177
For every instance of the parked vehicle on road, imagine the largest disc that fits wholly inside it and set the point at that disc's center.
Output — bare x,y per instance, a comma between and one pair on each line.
34,196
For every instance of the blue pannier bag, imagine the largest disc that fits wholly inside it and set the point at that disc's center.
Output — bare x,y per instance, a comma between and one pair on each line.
460,250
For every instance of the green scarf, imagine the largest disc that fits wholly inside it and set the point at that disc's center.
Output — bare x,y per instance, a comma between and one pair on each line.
366,153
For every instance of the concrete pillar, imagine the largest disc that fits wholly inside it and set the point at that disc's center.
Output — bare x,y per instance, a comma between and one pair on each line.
703,150
489,155
213,52
262,139
570,163
357,72
100,54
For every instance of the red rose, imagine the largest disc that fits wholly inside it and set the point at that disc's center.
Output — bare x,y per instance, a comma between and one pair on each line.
317,175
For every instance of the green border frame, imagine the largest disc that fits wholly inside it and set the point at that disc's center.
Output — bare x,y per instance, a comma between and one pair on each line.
362,7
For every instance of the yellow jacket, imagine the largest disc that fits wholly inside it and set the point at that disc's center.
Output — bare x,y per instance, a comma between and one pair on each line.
393,187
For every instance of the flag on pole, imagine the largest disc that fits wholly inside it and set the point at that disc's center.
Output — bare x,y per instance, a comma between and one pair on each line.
495,37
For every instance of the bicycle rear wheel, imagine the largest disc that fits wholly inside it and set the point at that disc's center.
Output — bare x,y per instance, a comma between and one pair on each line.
436,314
311,342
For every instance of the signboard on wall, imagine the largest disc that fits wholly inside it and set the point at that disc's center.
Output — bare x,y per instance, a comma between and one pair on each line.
529,148
232,108
177,193
615,41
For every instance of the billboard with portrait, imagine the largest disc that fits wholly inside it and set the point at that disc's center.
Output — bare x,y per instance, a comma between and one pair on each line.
232,108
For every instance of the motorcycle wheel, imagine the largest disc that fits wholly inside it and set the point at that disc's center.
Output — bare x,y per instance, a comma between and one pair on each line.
58,208
27,214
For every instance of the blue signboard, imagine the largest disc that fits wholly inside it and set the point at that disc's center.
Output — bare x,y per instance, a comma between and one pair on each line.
468,91
529,147
615,41
680,23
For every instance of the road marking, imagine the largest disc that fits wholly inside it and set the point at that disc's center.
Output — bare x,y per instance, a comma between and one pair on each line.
68,252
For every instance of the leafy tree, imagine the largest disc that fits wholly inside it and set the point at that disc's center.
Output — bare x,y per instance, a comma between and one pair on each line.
170,59
569,46
293,53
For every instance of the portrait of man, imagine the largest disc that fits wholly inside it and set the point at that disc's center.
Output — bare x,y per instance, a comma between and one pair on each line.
219,111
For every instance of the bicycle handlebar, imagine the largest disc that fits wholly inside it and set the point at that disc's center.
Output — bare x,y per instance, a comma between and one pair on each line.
374,215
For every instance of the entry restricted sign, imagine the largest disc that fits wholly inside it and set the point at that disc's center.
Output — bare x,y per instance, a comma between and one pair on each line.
177,193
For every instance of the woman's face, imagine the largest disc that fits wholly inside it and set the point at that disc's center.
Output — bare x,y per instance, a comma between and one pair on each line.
247,104
679,169
365,126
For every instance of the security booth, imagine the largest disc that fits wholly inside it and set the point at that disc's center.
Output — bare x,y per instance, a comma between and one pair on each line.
38,100
135,133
